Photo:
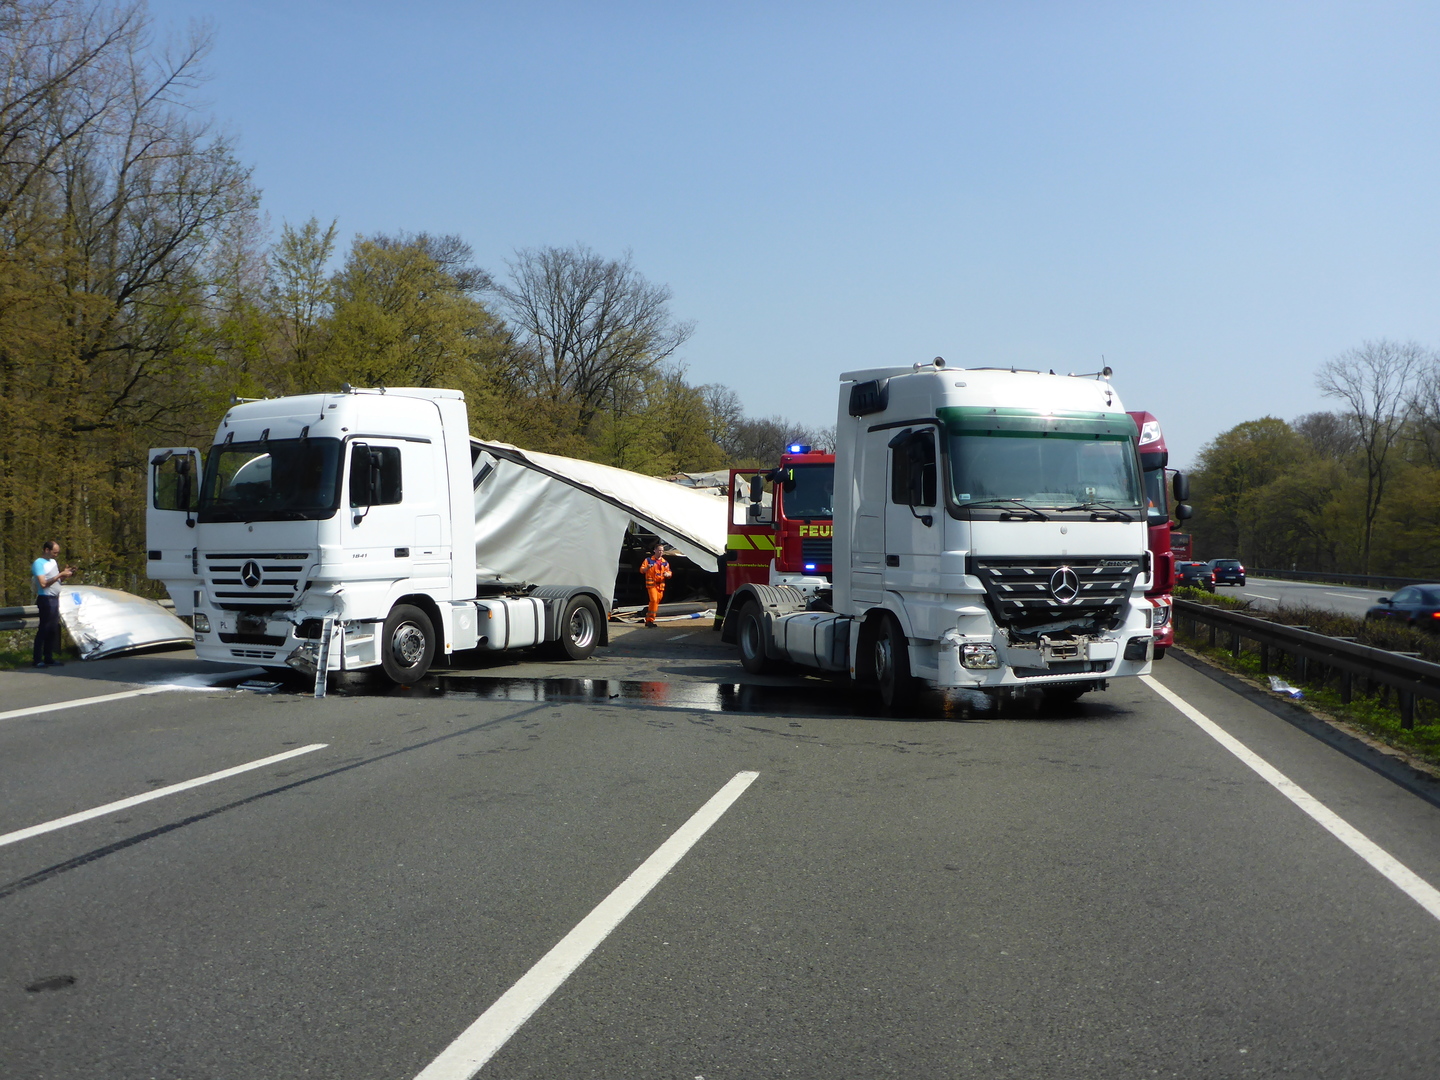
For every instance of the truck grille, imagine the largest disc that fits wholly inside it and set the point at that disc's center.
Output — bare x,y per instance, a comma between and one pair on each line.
1030,592
255,582
816,550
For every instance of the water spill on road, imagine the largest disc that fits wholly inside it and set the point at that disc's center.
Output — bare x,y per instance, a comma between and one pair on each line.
810,699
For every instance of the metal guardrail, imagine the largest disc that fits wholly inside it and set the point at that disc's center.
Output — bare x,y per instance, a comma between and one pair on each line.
1408,675
1367,581
28,618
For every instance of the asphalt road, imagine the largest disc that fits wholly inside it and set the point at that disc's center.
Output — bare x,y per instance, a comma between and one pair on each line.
1103,891
1269,594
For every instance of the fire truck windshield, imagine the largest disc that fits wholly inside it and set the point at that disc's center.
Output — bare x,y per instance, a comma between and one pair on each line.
811,494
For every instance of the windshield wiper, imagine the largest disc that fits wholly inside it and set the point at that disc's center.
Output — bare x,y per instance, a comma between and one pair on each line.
1024,508
1098,508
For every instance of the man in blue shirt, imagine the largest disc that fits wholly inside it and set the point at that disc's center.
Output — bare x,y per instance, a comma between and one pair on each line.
48,577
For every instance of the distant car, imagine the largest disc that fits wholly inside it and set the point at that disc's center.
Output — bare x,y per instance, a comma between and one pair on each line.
1196,575
1228,571
1414,605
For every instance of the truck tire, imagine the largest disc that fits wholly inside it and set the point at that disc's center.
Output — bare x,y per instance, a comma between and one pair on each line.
751,636
579,629
408,645
899,690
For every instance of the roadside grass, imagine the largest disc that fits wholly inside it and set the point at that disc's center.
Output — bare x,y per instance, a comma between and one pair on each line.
1371,709
16,648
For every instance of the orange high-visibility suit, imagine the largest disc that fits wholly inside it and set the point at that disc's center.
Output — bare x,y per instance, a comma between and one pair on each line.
656,570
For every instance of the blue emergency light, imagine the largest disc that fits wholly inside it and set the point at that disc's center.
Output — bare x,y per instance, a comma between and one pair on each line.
798,448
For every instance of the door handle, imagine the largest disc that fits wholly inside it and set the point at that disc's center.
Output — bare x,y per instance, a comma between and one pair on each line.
892,560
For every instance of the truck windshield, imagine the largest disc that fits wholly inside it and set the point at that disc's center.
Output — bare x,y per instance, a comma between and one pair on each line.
275,480
1051,460
813,493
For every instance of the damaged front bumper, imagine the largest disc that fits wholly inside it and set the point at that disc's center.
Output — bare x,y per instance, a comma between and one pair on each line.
968,660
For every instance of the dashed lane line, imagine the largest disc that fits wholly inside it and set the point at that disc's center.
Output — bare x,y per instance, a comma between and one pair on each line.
467,1055
159,793
192,683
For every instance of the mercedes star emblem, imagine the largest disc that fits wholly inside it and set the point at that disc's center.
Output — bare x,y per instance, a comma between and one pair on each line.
1064,585
250,574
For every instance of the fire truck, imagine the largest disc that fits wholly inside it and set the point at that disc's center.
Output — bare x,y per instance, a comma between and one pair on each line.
782,521
1153,459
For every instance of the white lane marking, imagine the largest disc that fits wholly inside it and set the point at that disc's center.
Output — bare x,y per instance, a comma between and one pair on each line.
1259,596
191,682
135,800
1347,595
468,1054
76,702
682,637
1400,875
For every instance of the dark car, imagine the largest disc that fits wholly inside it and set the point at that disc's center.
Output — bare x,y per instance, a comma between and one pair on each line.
1196,575
1228,571
1414,605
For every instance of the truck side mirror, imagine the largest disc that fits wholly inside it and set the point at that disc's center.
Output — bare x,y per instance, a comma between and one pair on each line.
362,480
757,489
1181,486
1184,511
185,487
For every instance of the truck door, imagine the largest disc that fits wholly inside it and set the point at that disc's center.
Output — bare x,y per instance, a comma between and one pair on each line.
394,525
172,493
914,521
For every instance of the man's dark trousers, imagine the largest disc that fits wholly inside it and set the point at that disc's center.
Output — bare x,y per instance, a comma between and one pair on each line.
47,638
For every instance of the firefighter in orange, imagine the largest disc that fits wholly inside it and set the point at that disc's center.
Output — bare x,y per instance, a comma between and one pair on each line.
656,570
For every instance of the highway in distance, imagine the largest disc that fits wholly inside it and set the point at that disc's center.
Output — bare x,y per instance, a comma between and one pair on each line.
1270,593
1165,879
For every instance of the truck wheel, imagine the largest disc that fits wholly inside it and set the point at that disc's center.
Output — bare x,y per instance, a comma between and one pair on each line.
898,688
579,629
408,645
752,640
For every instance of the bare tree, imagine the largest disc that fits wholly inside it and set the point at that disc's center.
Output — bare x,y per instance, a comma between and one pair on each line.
1331,435
590,324
1375,383
1424,405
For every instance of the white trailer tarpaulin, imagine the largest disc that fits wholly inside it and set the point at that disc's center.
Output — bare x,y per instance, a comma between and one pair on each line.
561,521
105,621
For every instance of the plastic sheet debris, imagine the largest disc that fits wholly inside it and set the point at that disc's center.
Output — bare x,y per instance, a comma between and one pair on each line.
103,622
259,686
1280,686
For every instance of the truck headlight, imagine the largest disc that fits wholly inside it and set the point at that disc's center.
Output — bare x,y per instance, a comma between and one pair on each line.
979,657
202,623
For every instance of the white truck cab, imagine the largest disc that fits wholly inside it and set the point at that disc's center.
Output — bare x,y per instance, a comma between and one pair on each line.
336,532
990,533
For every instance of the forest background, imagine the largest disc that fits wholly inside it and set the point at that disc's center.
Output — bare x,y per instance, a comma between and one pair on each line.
1355,490
141,292
142,289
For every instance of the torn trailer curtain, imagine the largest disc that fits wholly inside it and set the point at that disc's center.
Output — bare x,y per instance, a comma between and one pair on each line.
561,521
107,621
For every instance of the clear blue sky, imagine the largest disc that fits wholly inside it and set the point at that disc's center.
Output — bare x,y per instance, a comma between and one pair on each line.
1215,197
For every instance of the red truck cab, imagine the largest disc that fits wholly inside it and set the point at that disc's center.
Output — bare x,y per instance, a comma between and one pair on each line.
1153,459
782,521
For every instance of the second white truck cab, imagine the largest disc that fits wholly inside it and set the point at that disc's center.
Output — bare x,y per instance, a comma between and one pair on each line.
337,532
989,534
